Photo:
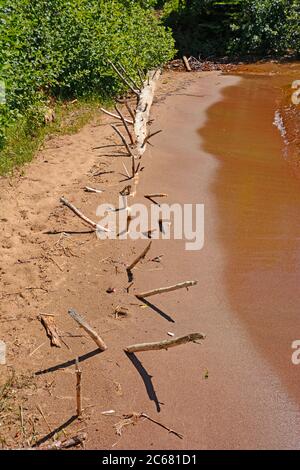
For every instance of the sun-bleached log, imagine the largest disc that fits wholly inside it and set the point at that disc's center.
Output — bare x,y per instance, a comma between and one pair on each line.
162,290
165,344
89,330
143,111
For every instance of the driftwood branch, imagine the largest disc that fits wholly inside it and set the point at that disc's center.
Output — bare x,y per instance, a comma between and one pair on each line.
51,329
67,443
78,213
162,290
136,92
133,418
166,344
128,121
150,136
129,76
130,111
87,189
171,431
92,333
139,258
125,124
149,196
78,388
123,140
186,64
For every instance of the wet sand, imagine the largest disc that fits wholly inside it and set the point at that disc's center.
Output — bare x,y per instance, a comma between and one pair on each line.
246,301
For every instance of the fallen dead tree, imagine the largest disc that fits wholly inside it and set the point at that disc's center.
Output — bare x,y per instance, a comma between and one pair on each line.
165,344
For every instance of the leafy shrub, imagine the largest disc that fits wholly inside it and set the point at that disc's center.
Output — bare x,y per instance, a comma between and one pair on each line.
266,27
60,48
210,27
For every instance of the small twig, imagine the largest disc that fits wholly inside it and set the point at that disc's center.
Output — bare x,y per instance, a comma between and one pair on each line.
99,173
165,344
82,216
171,431
150,136
123,140
126,170
130,110
125,124
128,76
87,189
140,257
148,196
92,333
128,121
136,92
67,443
78,388
162,290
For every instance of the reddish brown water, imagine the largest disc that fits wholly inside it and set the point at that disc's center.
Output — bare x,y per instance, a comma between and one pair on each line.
258,204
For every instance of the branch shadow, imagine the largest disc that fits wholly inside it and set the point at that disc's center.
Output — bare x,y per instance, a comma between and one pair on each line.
147,379
69,363
157,310
55,431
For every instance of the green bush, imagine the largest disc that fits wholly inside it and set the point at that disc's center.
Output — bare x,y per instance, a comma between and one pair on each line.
266,27
60,48
257,27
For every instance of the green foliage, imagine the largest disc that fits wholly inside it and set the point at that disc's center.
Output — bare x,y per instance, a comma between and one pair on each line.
210,27
60,48
267,27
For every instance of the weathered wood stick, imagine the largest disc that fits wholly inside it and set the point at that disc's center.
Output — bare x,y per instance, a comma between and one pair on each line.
87,189
92,333
150,136
123,140
139,258
64,201
126,170
171,431
165,344
78,388
49,324
162,290
133,170
136,92
128,76
128,121
125,124
155,195
130,111
186,64
67,443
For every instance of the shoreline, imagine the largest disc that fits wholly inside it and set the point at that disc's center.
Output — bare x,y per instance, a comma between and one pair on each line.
169,386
